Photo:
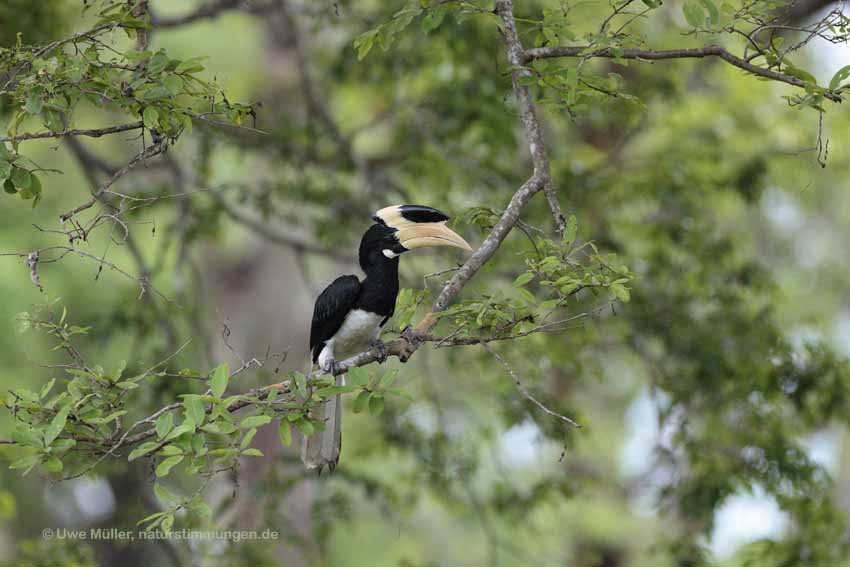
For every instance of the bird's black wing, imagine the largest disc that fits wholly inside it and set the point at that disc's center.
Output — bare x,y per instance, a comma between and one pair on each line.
332,306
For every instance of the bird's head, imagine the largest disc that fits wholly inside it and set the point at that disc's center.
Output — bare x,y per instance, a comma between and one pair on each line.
401,228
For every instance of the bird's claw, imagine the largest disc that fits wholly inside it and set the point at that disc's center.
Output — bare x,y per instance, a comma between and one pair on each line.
413,339
331,367
381,347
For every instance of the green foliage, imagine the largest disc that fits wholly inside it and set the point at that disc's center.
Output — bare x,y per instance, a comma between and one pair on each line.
558,272
669,280
49,84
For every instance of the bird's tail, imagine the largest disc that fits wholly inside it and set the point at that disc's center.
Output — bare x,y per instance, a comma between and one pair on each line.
322,449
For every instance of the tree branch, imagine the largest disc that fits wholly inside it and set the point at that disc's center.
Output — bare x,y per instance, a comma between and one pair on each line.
404,346
90,132
533,131
523,389
663,54
150,151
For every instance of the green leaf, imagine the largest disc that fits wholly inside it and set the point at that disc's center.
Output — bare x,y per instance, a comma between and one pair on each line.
285,433
361,401
249,436
220,427
364,42
147,519
34,101
163,424
357,376
173,83
694,14
192,65
218,380
194,406
21,178
400,393
388,378
62,445
838,77
142,449
164,467
27,462
713,12
151,118
198,443
300,383
523,279
52,464
157,63
5,171
376,404
252,452
56,426
620,292
201,508
46,388
164,496
254,421
167,522
170,450
801,74
305,426
6,154
35,190
182,429
570,231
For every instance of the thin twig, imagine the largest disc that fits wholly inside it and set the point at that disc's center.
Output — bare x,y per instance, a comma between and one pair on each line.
524,391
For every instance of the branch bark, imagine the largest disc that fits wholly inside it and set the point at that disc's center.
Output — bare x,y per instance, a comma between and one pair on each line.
585,51
533,131
90,132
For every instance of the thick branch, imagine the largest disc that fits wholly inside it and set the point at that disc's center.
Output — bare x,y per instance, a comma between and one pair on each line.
662,54
533,131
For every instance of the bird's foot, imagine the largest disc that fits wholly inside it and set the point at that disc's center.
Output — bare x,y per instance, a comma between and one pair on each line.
381,347
331,366
414,340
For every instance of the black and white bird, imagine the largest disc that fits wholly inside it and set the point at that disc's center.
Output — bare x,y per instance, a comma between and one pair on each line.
349,313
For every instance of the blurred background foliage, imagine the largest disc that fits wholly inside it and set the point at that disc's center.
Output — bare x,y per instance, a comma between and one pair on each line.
715,403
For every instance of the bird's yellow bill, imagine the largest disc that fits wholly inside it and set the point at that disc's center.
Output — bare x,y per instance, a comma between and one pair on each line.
418,235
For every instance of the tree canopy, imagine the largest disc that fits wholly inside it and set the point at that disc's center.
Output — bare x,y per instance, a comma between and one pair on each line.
658,221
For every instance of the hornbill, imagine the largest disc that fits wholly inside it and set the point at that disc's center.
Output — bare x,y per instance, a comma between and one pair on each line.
349,313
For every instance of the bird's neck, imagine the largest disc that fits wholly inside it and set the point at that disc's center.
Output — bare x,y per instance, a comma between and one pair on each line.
380,288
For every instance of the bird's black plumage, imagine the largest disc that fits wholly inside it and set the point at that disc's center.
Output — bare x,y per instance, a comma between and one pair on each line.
350,313
330,310
377,292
